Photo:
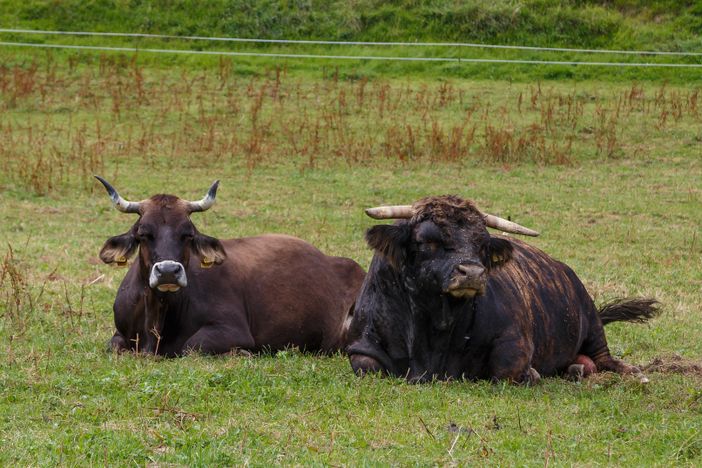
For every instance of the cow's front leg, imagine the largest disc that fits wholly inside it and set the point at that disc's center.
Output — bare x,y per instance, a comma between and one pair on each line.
118,343
218,340
511,360
151,343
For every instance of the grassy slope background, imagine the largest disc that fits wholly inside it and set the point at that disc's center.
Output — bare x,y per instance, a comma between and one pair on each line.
303,152
665,25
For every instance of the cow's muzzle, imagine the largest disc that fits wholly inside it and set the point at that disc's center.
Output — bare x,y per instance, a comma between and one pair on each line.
168,276
467,281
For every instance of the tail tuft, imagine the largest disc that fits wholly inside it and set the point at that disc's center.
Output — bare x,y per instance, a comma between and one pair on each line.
638,310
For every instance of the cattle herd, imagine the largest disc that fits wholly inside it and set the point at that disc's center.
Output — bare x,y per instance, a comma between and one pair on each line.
443,297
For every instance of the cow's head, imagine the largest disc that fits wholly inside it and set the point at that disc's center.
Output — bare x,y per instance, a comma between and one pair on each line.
442,249
164,236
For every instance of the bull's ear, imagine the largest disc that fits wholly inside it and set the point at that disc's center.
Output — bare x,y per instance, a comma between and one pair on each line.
499,252
390,240
118,249
209,249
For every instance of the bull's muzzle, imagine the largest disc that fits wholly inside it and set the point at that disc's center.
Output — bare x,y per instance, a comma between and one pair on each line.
467,281
168,276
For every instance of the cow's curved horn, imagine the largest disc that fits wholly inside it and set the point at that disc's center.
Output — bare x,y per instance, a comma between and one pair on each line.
508,226
120,203
390,212
406,211
207,201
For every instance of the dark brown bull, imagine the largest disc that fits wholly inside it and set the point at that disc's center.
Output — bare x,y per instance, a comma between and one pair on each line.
264,292
444,299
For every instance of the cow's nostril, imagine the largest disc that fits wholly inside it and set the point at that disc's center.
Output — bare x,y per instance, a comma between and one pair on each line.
471,271
168,268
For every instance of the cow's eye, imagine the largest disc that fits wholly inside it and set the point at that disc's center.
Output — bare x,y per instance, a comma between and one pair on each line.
145,236
188,236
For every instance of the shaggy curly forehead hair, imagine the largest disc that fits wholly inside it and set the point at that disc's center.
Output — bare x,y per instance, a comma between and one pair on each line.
447,209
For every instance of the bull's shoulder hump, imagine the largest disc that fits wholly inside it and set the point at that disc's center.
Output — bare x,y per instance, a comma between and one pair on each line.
524,254
523,248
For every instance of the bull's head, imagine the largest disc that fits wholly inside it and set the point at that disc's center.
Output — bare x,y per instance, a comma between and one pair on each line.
442,250
164,236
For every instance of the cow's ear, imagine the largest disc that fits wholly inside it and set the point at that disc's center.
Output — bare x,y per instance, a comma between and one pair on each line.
118,249
499,252
390,240
209,249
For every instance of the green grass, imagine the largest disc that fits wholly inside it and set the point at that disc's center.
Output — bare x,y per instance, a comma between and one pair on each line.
667,25
627,221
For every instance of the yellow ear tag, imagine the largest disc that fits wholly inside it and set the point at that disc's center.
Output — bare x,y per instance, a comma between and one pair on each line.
206,262
121,261
496,259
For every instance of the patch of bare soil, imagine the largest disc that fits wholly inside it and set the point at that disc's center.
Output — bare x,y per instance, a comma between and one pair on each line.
674,364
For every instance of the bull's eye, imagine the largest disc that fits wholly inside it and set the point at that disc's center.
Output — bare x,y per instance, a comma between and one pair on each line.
187,237
429,246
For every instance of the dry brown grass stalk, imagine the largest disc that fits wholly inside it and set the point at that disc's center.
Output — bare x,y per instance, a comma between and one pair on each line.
102,114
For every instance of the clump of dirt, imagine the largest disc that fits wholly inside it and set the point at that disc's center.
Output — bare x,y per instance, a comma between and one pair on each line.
674,364
602,380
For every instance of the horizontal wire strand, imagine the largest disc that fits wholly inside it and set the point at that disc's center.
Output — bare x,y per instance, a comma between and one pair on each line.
356,43
349,57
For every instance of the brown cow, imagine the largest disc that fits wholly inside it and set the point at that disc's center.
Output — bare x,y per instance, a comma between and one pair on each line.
188,291
445,299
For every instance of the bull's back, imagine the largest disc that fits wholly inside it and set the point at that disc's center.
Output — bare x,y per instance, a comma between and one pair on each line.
547,301
293,293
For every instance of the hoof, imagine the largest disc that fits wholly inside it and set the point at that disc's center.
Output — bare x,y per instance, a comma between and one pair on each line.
576,372
532,377
363,365
117,344
642,378
240,352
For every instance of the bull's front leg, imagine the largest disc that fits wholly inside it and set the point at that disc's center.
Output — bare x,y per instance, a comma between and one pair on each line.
510,359
363,365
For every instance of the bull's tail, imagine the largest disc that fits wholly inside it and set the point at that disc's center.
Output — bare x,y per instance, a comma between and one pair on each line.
638,310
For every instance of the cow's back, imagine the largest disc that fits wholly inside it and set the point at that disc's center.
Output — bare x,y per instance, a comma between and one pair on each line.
293,293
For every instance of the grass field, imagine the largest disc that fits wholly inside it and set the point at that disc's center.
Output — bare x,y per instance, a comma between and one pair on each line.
610,174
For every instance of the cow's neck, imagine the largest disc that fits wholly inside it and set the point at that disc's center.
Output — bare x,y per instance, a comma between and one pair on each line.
160,308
